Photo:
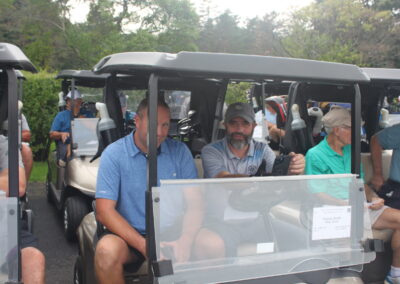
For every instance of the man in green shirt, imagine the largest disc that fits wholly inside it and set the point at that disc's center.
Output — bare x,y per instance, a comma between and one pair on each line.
333,156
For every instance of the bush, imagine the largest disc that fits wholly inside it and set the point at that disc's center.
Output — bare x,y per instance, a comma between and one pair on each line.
40,107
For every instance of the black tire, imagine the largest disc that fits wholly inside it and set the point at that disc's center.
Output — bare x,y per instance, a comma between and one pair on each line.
78,271
75,208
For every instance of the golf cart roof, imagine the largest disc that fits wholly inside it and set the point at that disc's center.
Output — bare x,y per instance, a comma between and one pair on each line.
11,56
84,78
383,75
233,66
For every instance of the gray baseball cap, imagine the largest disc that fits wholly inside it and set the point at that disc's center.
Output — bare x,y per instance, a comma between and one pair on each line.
242,110
337,117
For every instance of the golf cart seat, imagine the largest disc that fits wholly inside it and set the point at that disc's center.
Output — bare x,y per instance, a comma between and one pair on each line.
88,234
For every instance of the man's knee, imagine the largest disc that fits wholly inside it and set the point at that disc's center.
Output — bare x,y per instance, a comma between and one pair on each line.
32,257
108,252
209,245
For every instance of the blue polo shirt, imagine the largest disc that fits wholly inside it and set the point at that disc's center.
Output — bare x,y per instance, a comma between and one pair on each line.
389,138
62,121
122,176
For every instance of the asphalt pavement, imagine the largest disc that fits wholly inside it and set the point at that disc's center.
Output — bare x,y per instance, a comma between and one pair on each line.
60,254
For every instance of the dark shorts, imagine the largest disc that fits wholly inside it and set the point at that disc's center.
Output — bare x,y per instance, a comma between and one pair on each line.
27,238
134,265
259,230
390,192
239,232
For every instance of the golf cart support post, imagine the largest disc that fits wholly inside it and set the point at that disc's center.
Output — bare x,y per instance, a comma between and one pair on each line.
12,58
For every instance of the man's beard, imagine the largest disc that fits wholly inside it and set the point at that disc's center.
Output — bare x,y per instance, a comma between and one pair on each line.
239,144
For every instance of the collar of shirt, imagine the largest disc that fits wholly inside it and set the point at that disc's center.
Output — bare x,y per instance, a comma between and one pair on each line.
133,150
329,151
250,152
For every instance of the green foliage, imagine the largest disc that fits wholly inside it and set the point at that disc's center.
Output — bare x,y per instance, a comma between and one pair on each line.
39,172
40,106
237,92
343,31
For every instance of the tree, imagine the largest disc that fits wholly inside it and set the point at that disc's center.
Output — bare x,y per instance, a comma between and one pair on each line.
342,31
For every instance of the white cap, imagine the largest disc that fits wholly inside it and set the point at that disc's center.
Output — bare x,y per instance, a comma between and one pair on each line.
77,95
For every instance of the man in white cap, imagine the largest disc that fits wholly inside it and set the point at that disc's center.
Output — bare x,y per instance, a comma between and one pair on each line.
61,126
236,155
333,156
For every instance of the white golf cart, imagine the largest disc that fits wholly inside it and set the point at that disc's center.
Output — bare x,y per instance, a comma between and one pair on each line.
71,187
332,242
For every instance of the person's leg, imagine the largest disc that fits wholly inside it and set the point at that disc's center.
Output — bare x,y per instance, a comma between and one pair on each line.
208,245
111,254
27,159
33,266
390,219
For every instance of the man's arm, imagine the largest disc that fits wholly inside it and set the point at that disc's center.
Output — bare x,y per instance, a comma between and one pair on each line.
376,157
109,217
26,136
56,135
191,224
4,185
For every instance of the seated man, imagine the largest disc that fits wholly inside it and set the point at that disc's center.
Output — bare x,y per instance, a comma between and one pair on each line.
236,155
61,127
26,152
387,138
120,197
333,156
33,261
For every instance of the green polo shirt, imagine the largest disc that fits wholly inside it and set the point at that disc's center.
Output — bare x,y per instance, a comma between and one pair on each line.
321,159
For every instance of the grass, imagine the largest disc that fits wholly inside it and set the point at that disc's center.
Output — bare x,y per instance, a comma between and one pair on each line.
39,172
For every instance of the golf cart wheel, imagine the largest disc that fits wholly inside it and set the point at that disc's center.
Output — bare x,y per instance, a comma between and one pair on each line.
75,208
78,271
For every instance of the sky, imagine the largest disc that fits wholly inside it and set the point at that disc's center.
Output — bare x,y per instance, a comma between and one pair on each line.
244,9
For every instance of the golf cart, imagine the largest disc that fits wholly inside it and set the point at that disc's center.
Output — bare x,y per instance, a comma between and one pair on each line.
71,187
11,59
319,247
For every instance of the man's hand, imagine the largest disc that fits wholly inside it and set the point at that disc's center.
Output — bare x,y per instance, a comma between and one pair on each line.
180,250
377,181
64,136
376,203
297,164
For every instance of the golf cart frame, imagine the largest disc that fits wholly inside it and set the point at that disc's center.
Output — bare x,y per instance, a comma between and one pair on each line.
221,68
11,59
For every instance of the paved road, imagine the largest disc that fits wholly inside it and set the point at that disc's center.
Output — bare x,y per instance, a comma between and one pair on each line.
60,254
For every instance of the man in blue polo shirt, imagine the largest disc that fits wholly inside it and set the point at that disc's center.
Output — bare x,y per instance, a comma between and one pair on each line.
387,138
120,196
61,127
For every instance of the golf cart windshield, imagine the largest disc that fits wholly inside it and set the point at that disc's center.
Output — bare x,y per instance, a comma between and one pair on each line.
8,239
84,136
319,234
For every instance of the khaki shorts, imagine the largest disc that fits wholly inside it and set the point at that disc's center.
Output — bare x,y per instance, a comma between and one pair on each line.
374,214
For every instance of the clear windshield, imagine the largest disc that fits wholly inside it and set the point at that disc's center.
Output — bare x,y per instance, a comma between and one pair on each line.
8,240
270,226
84,136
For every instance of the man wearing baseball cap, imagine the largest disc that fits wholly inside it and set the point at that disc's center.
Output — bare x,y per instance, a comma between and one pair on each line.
61,126
333,156
236,155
